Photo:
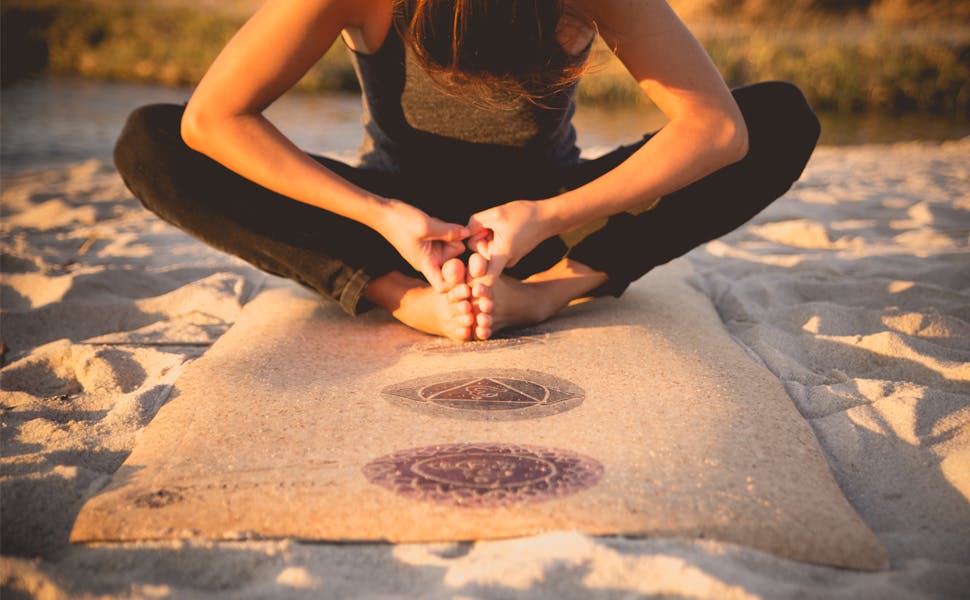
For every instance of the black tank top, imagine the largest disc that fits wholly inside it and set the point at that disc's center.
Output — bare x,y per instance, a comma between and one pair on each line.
412,125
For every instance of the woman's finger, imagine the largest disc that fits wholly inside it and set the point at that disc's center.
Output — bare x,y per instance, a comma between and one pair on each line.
446,232
475,225
496,264
432,273
482,246
453,249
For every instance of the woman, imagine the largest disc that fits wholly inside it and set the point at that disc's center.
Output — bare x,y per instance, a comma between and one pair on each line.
468,145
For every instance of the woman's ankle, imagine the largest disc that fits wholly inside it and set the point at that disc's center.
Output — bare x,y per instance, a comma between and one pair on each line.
553,289
387,290
582,278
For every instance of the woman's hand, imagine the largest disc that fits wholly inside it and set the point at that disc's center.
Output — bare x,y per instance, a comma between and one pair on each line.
506,233
425,242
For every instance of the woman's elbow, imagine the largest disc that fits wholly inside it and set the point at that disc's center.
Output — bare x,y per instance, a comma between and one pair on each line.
734,139
193,127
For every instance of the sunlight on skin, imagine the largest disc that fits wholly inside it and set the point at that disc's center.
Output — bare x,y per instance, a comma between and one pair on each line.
454,274
416,304
507,302
474,307
481,296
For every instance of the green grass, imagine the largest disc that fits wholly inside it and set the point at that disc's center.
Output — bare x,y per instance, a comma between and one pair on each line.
858,65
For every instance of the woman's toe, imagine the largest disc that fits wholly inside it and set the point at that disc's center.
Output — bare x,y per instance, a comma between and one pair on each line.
453,271
485,305
480,290
477,265
462,308
459,292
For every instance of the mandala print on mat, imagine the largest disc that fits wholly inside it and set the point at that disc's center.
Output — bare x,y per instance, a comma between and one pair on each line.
484,475
487,394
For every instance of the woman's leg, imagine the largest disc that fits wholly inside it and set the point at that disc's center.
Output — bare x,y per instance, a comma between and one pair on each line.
335,256
782,133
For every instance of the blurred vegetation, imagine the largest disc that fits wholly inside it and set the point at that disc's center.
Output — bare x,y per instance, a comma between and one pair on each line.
166,42
847,55
824,12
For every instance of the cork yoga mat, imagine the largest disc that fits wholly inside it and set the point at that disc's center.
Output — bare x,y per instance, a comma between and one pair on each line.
637,416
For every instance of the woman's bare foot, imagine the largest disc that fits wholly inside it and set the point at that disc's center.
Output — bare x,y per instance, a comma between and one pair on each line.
508,302
481,296
417,305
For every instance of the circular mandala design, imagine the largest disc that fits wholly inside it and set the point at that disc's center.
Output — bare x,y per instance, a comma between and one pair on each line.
488,394
484,475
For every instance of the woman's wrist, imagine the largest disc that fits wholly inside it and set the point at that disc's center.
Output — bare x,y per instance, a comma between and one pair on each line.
382,217
551,217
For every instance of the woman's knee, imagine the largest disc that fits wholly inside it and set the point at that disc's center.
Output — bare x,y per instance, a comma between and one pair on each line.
782,127
778,109
146,140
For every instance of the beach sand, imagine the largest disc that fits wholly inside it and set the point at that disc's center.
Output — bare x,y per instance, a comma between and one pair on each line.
853,289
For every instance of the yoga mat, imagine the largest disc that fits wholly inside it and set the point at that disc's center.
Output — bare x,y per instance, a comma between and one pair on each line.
636,416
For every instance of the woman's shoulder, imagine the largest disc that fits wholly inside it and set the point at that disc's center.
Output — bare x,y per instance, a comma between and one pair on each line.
623,17
373,23
575,31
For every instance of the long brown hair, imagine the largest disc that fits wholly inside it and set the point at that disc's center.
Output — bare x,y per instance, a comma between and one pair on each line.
493,49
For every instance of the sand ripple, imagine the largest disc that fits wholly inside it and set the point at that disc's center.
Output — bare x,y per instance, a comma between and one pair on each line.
102,305
855,290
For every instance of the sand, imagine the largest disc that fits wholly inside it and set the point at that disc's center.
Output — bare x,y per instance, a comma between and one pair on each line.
853,290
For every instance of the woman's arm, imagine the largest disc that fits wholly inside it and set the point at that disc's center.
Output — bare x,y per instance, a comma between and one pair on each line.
705,132
265,58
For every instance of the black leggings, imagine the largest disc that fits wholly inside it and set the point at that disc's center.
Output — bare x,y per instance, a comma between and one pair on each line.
337,257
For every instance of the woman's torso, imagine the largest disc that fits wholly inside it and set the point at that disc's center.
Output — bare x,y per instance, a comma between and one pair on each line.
412,125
